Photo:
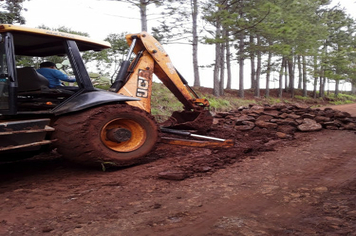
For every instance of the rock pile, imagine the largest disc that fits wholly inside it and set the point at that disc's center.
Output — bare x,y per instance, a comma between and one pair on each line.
285,119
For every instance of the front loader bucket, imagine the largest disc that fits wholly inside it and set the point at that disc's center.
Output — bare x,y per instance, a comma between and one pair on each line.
190,120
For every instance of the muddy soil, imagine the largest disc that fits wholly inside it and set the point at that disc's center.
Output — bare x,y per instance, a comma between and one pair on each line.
261,186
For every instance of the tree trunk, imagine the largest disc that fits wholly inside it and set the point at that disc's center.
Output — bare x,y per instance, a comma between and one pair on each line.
321,92
222,68
241,53
322,72
322,86
268,73
300,75
315,75
194,6
228,62
315,85
353,89
337,83
227,59
216,89
280,89
337,80
241,64
322,83
259,67
294,66
304,79
252,59
291,76
143,13
286,85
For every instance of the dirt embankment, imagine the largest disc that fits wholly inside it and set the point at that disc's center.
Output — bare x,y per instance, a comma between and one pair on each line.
264,185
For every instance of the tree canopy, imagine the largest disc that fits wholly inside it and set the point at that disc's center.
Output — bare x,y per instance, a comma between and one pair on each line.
10,11
308,43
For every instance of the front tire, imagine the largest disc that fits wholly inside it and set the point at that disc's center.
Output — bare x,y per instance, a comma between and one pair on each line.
117,134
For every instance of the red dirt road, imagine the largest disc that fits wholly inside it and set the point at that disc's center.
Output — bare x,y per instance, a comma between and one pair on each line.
305,186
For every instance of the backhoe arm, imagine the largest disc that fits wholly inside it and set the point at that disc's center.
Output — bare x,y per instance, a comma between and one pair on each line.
135,79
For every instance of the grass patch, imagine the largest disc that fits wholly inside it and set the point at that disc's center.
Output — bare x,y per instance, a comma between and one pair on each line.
346,97
341,98
305,99
217,104
341,102
272,100
164,102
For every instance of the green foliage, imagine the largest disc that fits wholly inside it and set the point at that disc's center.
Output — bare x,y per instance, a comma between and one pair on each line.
347,96
287,28
64,29
272,100
341,102
305,99
341,98
218,104
10,12
106,165
110,59
163,101
99,81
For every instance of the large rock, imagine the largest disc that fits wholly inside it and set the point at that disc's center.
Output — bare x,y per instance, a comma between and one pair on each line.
257,109
271,112
350,126
309,125
287,129
245,125
321,119
240,119
342,114
173,175
267,125
285,119
264,118
293,116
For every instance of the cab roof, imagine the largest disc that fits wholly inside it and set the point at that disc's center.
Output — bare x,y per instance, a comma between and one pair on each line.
42,43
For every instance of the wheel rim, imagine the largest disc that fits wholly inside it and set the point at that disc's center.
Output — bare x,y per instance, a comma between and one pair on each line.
137,139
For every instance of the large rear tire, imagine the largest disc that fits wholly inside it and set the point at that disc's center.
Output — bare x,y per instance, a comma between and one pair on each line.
117,134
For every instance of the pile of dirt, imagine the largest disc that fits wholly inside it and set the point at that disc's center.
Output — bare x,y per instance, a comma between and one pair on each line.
253,130
306,186
285,119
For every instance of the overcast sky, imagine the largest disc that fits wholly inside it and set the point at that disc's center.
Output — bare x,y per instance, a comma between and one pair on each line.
99,18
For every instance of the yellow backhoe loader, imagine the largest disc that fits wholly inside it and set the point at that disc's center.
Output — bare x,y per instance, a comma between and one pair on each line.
85,124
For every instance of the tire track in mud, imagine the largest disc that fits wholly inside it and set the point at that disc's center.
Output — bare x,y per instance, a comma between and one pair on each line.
278,192
306,187
330,164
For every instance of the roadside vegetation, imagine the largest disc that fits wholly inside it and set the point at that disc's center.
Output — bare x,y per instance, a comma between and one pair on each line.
164,102
274,36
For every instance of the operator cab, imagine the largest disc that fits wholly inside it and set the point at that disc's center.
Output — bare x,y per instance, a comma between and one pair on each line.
22,89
